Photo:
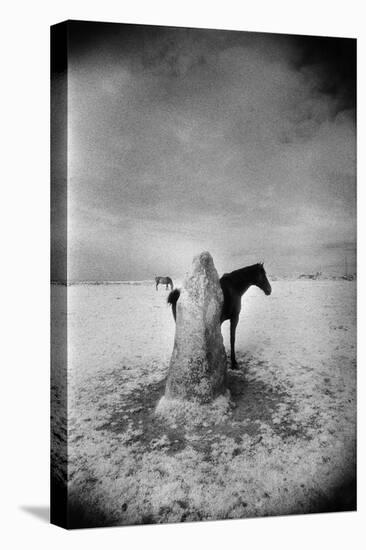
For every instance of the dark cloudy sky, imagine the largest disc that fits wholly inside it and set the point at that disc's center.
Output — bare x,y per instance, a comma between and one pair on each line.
183,140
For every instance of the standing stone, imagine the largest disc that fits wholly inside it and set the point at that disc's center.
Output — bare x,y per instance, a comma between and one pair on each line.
197,368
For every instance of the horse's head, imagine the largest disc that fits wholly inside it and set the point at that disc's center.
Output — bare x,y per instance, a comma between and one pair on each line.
261,280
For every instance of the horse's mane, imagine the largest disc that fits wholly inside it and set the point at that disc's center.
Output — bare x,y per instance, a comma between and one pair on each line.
239,273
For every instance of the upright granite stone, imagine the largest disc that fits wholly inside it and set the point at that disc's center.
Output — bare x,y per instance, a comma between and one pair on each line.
197,368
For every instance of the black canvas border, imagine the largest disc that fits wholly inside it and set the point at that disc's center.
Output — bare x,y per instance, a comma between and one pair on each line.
58,196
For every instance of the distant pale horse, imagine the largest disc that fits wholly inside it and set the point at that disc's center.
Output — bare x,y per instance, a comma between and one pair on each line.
164,281
233,286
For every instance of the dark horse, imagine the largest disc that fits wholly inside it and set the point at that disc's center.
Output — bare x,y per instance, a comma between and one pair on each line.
164,281
233,286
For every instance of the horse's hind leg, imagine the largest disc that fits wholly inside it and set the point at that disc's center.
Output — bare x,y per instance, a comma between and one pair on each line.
233,325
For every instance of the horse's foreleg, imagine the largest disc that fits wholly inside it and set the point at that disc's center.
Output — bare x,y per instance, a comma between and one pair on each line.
157,286
233,324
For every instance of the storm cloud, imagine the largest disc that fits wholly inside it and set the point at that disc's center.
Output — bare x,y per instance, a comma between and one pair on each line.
182,140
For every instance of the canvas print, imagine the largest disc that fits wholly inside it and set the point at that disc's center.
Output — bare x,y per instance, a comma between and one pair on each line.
203,266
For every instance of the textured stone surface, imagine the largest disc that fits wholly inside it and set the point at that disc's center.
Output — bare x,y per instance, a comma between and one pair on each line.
198,364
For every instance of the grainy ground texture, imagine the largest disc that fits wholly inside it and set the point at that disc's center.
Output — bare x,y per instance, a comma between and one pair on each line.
284,443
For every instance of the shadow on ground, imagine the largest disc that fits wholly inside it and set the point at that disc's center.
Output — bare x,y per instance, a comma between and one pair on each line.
258,411
40,512
254,404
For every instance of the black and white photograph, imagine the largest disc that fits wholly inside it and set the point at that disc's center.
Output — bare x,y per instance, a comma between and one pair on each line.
203,274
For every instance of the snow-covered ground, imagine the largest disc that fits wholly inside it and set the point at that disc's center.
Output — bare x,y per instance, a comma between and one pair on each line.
285,445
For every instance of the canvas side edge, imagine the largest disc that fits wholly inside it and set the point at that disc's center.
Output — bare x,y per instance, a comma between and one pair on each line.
59,432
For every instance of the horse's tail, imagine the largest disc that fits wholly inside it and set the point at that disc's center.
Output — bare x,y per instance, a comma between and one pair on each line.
172,300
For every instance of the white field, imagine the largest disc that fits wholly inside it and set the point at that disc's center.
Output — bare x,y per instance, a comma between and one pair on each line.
286,445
